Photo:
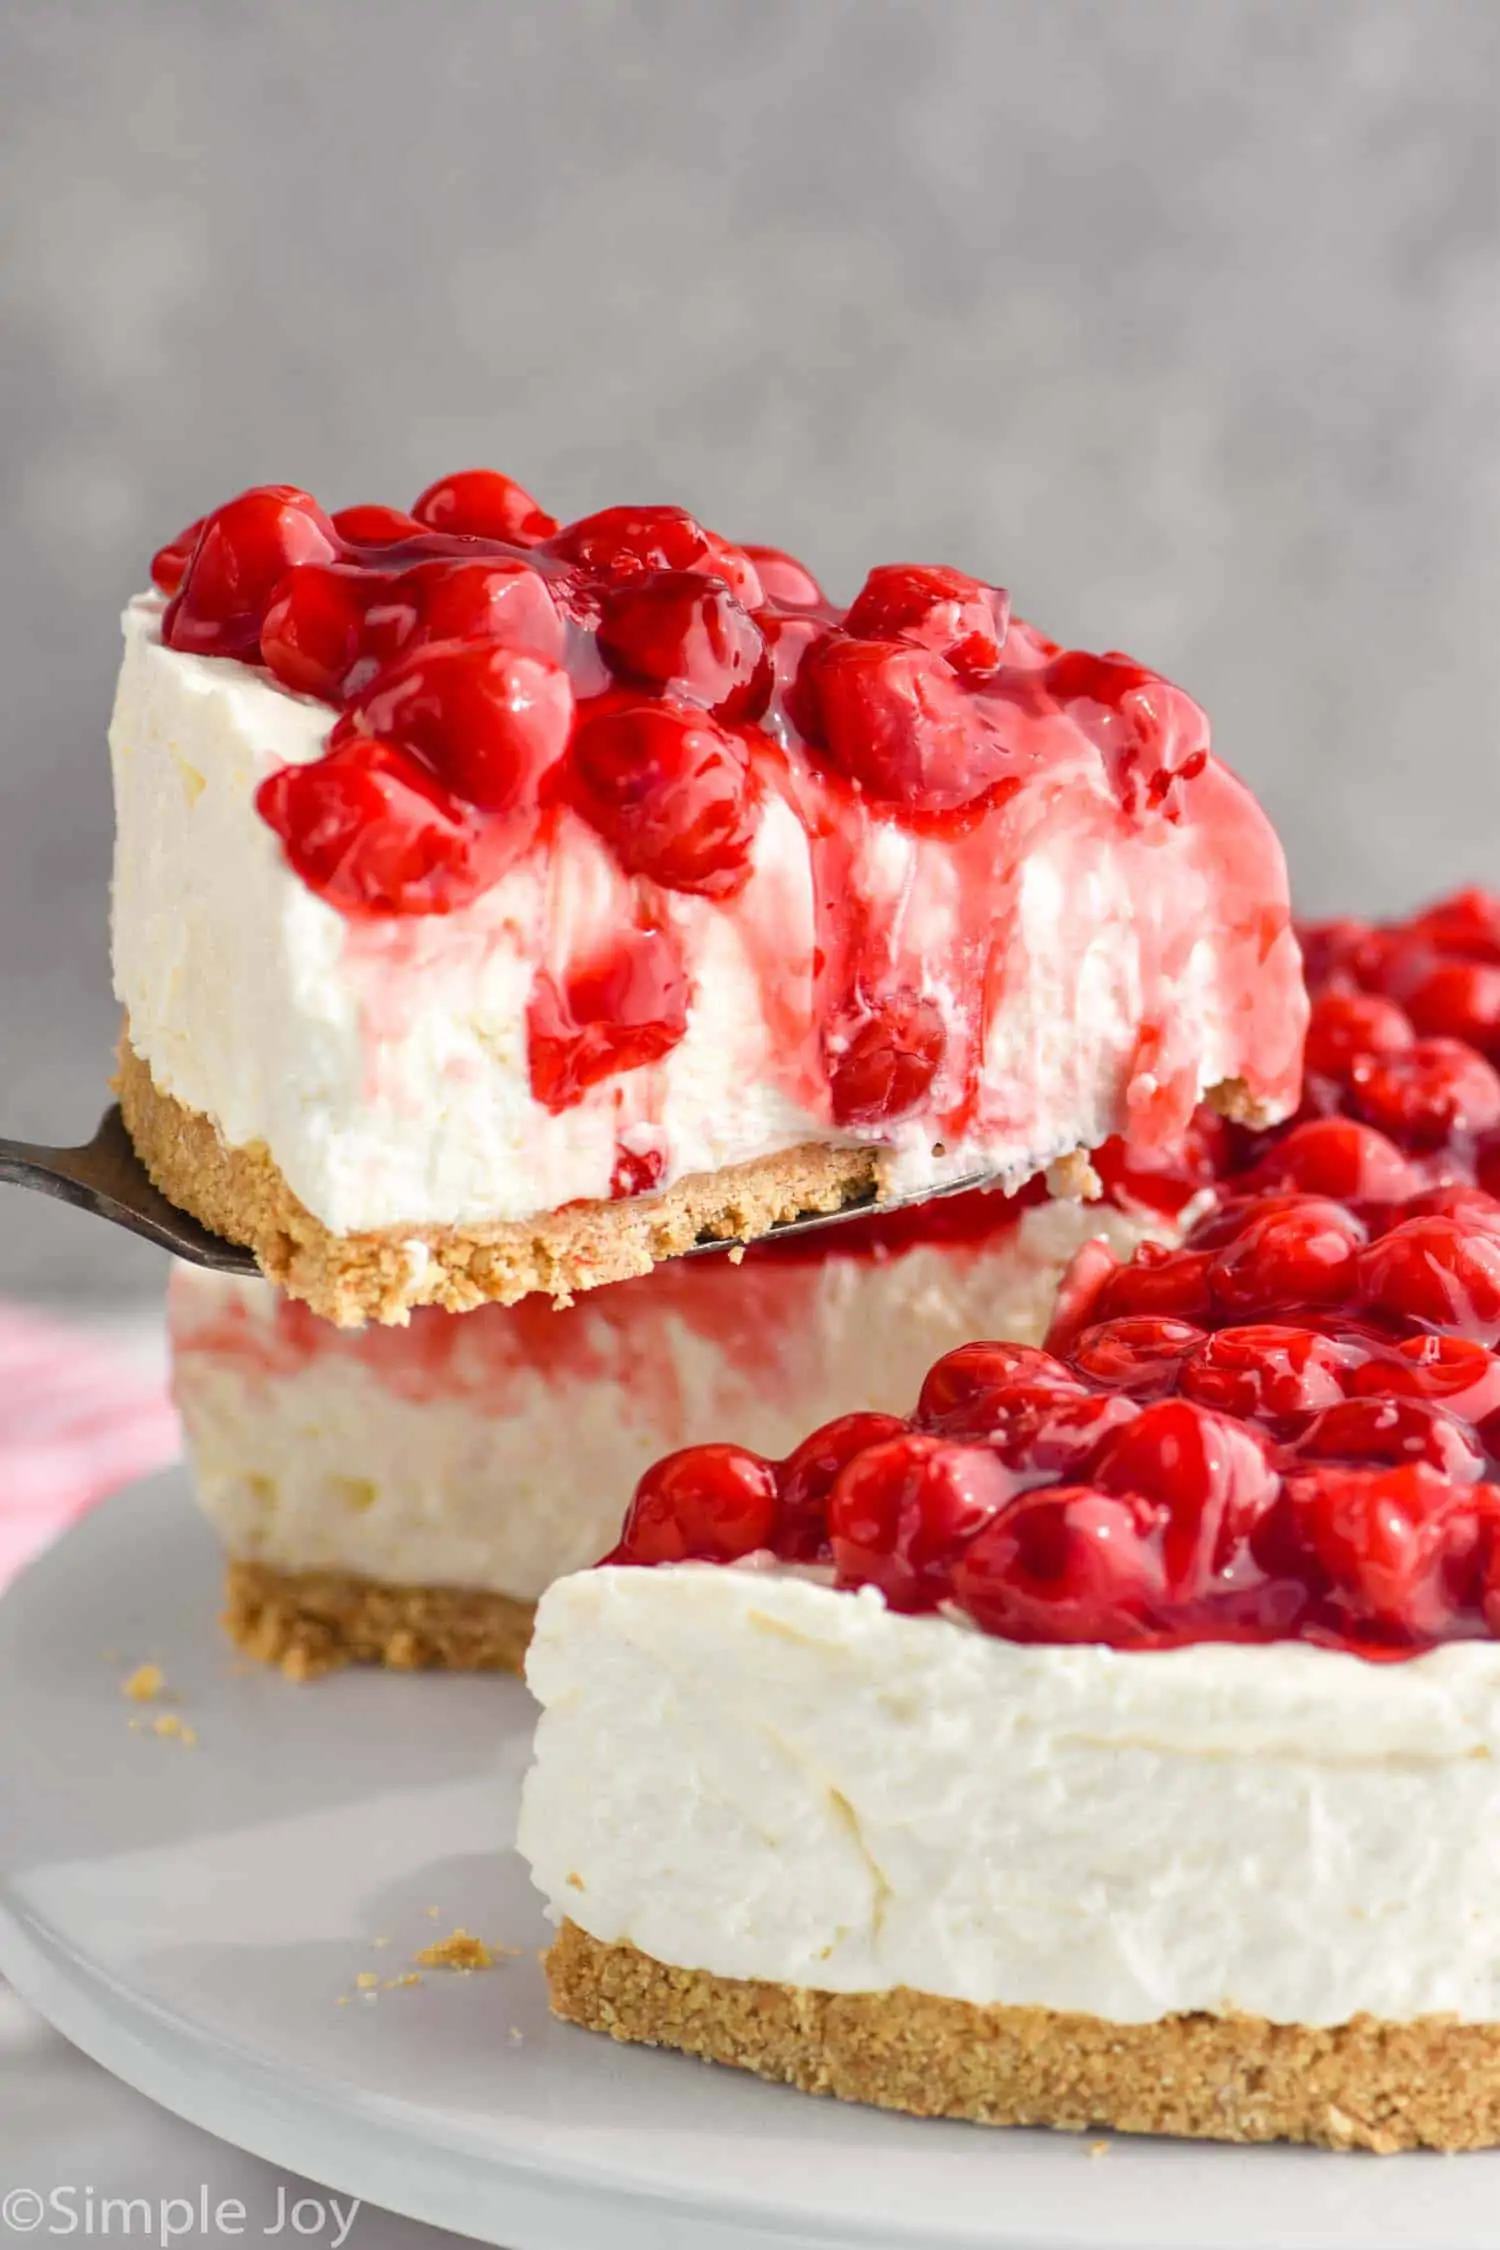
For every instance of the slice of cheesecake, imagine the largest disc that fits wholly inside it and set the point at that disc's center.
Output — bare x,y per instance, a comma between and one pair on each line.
500,907
403,1495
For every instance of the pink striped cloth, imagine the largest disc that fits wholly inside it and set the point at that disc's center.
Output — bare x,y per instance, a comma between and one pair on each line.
80,1415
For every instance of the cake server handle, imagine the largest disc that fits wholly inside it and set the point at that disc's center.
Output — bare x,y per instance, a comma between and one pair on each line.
107,1178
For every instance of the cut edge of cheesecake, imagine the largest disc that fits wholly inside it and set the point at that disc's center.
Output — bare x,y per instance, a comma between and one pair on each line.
1366,2084
383,1275
241,1194
311,1622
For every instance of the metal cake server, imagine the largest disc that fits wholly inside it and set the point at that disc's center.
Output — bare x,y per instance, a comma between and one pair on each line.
108,1179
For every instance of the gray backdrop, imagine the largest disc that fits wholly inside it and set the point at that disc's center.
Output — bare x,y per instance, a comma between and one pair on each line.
1178,316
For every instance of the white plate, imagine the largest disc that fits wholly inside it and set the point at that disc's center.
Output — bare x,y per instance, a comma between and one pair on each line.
191,1916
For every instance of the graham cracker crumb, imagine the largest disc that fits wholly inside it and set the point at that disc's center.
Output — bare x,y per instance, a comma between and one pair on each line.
312,1622
378,1942
459,1950
166,1723
396,1984
1368,2083
367,1981
145,1683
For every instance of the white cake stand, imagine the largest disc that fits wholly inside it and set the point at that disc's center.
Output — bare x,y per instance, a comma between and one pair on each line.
197,1919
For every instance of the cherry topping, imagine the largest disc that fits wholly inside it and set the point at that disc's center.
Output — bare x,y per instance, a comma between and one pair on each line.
169,563
636,1172
1142,1356
372,832
900,1513
1268,1371
1427,1092
618,1012
684,635
898,723
709,1503
482,503
1440,1273
480,600
1068,1564
1458,1000
1148,735
242,551
312,636
491,722
1383,1537
1452,1370
1302,1254
784,580
626,542
375,526
962,1392
672,793
807,1477
1396,1430
882,1057
1338,1157
958,617
1213,1475
1346,1026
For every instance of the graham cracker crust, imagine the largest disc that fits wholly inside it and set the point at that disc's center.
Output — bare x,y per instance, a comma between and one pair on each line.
1368,2084
314,1621
241,1194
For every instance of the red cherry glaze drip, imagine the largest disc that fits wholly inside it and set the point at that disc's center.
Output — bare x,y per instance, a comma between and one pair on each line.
496,676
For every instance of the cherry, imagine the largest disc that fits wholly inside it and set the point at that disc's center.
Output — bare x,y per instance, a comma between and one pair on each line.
784,580
1458,1000
1148,734
371,832
636,1172
1426,1094
482,503
491,722
1069,1564
617,1012
684,635
1442,1274
807,1477
708,1503
1213,1475
312,636
1045,1433
1338,1157
1455,1372
1302,1255
962,1390
1077,1303
481,599
882,1057
242,552
1168,1284
672,793
169,563
1346,1027
626,542
1467,923
788,642
957,617
897,723
1383,1538
1393,1430
375,526
901,1512
1143,1356
1269,1371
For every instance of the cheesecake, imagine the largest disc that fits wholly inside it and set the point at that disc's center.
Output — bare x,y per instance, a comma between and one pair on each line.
501,907
1111,1741
404,1494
